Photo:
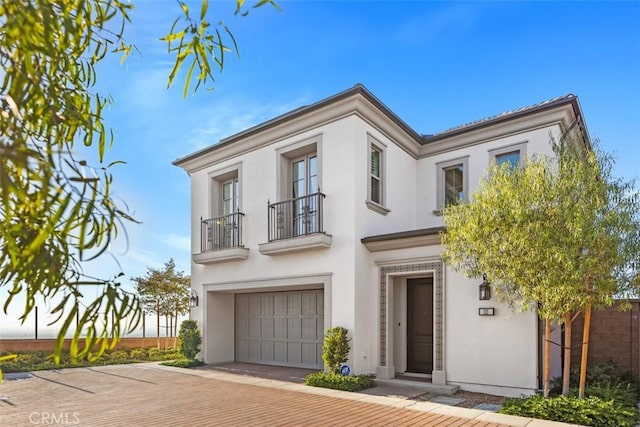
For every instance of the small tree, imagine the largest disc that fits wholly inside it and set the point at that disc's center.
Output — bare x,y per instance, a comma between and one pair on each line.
190,339
335,350
164,292
559,235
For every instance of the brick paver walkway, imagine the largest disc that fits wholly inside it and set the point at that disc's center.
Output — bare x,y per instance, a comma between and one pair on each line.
150,395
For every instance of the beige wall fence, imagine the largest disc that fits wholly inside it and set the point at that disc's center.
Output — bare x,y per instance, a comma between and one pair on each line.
17,345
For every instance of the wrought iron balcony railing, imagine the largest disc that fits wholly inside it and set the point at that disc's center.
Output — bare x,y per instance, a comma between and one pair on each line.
223,232
296,217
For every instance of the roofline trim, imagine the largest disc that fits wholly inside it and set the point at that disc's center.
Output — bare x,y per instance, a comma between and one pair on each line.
404,234
358,89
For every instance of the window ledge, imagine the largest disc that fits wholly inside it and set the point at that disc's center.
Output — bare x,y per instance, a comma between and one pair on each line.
377,207
223,255
296,244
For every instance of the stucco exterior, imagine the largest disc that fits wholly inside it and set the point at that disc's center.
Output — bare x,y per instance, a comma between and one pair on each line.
364,277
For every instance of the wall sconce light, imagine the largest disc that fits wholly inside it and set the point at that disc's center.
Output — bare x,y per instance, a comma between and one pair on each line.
485,289
486,311
193,300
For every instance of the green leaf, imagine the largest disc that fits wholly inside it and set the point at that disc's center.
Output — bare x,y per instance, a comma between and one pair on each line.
203,10
188,79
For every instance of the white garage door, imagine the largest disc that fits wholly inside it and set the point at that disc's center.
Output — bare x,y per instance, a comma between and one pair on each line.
280,328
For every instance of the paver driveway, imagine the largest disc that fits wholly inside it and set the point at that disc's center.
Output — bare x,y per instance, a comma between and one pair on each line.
152,395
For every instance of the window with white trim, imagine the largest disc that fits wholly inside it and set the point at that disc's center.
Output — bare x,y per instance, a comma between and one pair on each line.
299,169
376,176
298,208
304,183
222,228
452,182
230,199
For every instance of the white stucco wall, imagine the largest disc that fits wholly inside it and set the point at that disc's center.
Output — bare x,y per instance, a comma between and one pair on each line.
400,197
499,352
336,150
535,141
481,353
496,354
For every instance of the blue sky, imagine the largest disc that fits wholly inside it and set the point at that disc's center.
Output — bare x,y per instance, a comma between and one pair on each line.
435,64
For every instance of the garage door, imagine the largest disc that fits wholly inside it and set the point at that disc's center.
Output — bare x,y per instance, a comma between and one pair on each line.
280,328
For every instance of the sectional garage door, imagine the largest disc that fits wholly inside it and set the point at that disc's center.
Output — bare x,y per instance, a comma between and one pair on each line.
280,328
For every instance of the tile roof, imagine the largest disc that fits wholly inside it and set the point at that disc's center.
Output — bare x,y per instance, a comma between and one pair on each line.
498,117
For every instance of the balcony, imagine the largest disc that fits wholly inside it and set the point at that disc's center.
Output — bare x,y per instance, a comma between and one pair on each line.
221,239
296,225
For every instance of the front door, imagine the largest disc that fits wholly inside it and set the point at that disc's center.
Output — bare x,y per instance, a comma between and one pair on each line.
420,325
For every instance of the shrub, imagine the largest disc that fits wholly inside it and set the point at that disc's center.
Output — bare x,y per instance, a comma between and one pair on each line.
153,352
40,360
6,357
184,363
138,354
190,339
591,411
599,375
119,355
335,349
340,382
624,394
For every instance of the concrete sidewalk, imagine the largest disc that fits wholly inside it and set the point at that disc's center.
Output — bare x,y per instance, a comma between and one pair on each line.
152,395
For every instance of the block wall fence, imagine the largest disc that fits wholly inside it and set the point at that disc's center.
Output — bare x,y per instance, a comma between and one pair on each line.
614,336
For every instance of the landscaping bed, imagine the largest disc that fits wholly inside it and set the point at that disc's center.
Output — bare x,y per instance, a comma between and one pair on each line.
43,360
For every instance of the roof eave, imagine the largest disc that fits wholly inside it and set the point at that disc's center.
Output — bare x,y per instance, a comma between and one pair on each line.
358,89
403,239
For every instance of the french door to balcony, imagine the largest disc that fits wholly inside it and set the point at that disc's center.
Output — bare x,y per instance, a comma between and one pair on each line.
229,206
304,182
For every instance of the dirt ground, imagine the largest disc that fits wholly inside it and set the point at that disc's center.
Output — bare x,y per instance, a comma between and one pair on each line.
471,399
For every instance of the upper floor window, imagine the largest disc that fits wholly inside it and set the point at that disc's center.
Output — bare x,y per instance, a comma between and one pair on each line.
452,182
304,175
512,158
230,202
299,169
222,228
304,207
225,191
510,154
298,209
376,176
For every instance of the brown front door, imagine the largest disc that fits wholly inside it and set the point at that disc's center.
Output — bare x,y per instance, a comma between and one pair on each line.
420,325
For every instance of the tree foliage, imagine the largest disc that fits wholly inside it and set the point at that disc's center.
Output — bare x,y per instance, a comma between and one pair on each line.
194,40
56,206
559,234
164,291
541,230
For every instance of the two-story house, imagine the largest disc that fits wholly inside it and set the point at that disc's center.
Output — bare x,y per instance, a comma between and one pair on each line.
330,215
